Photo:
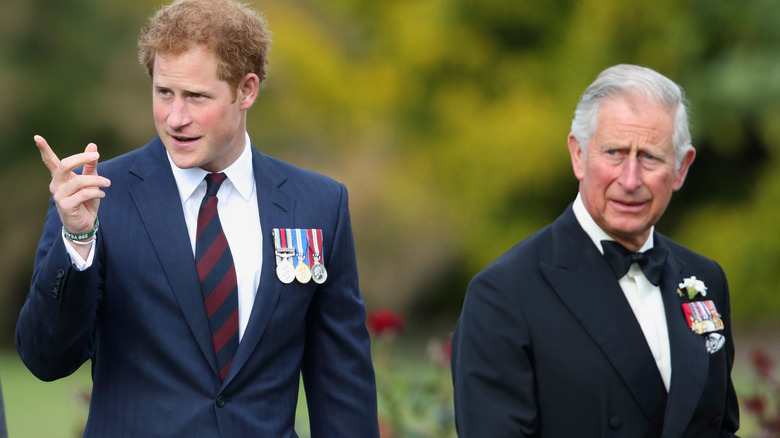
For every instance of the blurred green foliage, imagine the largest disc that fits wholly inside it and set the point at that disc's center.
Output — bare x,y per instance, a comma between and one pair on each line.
447,120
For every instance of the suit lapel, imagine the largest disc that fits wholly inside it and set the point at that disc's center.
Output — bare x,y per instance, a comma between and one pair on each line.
157,199
276,210
690,362
584,282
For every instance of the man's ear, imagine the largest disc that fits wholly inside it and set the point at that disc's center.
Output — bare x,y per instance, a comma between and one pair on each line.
577,158
248,89
682,172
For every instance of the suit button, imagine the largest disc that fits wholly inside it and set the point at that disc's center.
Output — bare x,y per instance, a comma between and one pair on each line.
60,273
615,422
55,293
221,400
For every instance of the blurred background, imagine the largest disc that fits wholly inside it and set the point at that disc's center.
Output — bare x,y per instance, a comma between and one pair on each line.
446,119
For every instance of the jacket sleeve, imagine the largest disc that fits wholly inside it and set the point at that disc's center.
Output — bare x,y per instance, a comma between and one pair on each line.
56,324
337,370
730,423
492,367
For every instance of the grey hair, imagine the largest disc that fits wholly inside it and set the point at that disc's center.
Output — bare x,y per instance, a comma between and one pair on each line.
633,80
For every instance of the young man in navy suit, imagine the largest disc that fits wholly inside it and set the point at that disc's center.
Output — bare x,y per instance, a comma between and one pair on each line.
201,277
598,325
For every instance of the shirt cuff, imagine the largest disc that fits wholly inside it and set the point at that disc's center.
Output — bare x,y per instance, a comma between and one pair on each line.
78,262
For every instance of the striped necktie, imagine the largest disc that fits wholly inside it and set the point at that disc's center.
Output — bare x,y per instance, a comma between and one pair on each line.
217,276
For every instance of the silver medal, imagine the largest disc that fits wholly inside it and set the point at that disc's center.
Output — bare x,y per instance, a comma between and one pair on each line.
284,267
285,271
318,273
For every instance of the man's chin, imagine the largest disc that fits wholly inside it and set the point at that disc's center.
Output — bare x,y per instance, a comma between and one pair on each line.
636,233
183,162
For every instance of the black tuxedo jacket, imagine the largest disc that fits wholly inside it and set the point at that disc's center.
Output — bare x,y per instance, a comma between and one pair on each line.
138,314
548,346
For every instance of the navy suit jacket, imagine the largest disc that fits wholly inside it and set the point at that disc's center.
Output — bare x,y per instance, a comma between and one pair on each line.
548,346
138,314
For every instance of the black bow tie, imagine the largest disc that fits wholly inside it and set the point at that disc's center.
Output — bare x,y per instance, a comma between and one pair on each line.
620,259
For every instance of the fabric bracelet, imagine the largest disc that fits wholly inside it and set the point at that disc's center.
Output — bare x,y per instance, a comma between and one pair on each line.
87,237
83,242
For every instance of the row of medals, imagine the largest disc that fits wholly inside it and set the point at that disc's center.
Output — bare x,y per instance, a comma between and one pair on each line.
287,272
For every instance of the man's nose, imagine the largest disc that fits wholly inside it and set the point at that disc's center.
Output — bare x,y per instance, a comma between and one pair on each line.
630,177
178,115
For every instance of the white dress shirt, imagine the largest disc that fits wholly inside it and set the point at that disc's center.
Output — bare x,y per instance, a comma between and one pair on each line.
643,297
240,218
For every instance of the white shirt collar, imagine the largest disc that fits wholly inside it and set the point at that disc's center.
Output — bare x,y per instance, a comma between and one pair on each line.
595,232
240,174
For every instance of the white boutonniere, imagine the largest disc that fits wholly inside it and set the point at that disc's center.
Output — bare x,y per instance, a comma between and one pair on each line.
693,287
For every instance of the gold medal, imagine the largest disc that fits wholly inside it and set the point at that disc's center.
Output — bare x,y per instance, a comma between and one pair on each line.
302,273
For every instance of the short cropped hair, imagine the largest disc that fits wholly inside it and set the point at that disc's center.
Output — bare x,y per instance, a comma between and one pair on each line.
632,80
234,31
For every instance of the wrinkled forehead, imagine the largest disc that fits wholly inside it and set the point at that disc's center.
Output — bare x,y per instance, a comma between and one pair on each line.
636,119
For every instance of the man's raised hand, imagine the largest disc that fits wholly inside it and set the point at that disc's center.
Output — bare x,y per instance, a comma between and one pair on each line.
77,196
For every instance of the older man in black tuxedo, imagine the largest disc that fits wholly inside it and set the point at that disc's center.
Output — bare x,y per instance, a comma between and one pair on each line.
598,325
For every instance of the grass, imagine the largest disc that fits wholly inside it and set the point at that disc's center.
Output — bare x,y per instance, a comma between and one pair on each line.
55,409
36,409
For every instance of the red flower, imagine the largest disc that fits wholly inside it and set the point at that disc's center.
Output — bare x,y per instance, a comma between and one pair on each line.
762,363
755,405
385,321
385,431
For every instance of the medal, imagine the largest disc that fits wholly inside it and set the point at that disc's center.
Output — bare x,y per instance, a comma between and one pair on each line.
702,316
284,253
302,271
318,272
714,342
285,271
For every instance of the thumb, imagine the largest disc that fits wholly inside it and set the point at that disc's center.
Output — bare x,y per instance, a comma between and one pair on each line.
90,168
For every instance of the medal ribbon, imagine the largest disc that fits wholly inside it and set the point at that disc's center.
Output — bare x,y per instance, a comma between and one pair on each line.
702,311
278,244
301,252
711,308
287,241
283,244
315,244
697,313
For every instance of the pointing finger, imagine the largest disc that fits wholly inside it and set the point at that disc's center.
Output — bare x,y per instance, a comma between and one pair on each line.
50,159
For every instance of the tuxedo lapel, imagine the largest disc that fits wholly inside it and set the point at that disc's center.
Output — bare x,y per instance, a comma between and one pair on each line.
690,362
157,199
276,208
583,280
